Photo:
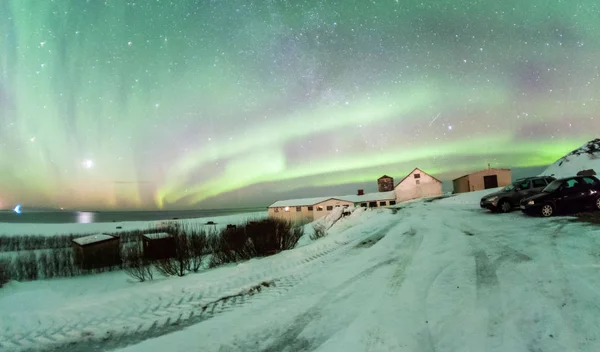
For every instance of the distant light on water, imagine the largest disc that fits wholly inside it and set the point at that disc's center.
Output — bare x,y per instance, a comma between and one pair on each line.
84,217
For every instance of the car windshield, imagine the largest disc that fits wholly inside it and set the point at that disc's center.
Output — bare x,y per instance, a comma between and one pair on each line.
553,186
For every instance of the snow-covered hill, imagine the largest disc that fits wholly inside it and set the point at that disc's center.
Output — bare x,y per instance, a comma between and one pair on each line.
583,158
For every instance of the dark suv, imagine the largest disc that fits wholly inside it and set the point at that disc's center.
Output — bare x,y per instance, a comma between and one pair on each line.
509,197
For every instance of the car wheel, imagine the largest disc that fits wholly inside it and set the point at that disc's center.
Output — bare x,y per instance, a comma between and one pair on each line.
547,210
504,206
597,203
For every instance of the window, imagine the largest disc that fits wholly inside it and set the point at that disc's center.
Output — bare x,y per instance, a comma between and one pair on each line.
372,204
392,202
589,180
319,208
337,206
382,204
570,184
310,208
346,206
298,208
277,210
330,207
417,175
538,182
364,205
524,185
418,182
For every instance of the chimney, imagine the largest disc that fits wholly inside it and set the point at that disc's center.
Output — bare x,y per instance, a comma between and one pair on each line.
361,192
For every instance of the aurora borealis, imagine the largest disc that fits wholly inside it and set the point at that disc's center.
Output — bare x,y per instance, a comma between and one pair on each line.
169,104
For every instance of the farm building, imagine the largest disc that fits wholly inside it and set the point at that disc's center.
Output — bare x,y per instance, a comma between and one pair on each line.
371,200
305,210
484,179
158,245
96,251
417,184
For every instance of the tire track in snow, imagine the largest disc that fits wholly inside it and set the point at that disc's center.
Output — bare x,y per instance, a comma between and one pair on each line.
172,314
289,340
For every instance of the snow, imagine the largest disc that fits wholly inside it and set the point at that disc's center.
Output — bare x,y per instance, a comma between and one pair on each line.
583,158
367,197
157,236
438,275
111,227
83,241
299,202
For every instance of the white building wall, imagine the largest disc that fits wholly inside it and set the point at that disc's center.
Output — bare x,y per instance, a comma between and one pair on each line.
422,187
320,210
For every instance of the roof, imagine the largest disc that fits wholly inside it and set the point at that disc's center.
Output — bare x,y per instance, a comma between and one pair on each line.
157,236
87,240
476,172
299,202
385,176
532,178
369,197
415,169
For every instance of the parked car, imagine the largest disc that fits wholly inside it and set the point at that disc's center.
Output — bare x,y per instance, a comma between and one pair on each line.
565,195
508,198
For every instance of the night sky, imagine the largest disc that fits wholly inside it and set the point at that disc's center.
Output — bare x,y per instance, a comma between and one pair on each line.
188,103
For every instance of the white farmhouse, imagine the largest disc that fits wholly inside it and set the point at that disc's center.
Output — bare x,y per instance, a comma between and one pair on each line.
417,184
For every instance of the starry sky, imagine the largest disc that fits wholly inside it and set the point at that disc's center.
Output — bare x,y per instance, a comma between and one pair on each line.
203,104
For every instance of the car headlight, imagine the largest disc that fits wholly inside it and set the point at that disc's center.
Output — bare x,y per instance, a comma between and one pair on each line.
530,202
492,199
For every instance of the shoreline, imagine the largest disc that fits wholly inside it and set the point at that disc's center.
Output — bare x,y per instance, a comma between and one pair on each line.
51,229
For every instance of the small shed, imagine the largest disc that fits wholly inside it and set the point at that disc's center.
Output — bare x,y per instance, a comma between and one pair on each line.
159,245
483,179
96,251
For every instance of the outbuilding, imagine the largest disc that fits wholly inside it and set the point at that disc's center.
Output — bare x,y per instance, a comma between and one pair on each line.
158,246
483,179
96,251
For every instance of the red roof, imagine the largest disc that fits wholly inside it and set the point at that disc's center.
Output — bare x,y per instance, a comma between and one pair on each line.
416,168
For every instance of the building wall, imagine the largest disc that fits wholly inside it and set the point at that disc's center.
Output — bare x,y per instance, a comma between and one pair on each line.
291,214
385,184
413,188
476,179
98,255
474,182
317,214
461,185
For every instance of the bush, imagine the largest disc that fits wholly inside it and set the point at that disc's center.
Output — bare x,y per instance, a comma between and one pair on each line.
255,239
180,263
135,263
198,245
4,271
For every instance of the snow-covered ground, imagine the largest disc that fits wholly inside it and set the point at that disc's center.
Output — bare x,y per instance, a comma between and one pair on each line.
583,158
62,229
441,275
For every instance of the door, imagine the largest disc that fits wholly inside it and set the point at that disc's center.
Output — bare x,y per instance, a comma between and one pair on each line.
490,181
571,196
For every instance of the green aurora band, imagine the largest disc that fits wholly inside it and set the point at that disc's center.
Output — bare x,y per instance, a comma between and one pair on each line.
110,104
